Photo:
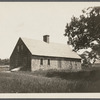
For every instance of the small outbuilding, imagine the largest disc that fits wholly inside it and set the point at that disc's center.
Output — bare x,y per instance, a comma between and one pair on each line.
97,63
32,55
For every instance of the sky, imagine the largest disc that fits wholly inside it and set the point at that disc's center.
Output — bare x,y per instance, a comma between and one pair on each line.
35,19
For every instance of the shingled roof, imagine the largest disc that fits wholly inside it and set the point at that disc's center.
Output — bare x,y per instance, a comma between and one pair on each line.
41,48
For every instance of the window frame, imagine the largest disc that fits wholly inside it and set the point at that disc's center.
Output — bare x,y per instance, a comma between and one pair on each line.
41,61
48,61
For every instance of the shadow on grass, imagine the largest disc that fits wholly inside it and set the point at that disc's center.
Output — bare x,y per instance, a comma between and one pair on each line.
80,75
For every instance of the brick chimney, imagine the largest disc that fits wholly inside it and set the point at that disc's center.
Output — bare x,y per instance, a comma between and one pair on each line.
46,38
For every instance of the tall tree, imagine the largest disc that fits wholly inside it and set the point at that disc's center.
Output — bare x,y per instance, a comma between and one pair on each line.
84,32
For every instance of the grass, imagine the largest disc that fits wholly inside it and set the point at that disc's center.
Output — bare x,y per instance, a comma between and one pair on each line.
50,81
24,83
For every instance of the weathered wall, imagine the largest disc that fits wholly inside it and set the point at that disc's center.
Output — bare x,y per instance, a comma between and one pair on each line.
71,64
55,63
20,57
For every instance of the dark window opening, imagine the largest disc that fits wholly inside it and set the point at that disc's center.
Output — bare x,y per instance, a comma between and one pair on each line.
48,61
75,64
59,63
21,47
18,48
41,62
70,66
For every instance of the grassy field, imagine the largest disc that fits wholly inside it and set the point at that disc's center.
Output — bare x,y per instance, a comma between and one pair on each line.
51,81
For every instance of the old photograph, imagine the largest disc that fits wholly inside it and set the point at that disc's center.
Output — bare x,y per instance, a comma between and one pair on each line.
49,47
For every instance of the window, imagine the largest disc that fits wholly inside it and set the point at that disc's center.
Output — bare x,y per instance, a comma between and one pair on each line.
70,66
18,48
41,62
21,47
48,61
75,64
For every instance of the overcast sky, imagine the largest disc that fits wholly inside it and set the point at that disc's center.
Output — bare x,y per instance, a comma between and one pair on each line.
35,19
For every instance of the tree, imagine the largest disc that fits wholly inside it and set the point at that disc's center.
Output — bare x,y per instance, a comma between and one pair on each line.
84,32
87,59
4,61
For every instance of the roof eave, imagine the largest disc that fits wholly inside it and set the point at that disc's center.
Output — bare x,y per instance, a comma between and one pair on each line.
55,56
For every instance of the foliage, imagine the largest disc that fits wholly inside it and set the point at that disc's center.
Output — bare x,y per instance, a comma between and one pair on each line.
4,61
86,61
84,32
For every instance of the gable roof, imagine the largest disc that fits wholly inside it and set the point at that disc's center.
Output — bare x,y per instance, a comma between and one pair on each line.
41,48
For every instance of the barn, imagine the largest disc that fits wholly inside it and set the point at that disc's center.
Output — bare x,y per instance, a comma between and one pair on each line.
32,55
